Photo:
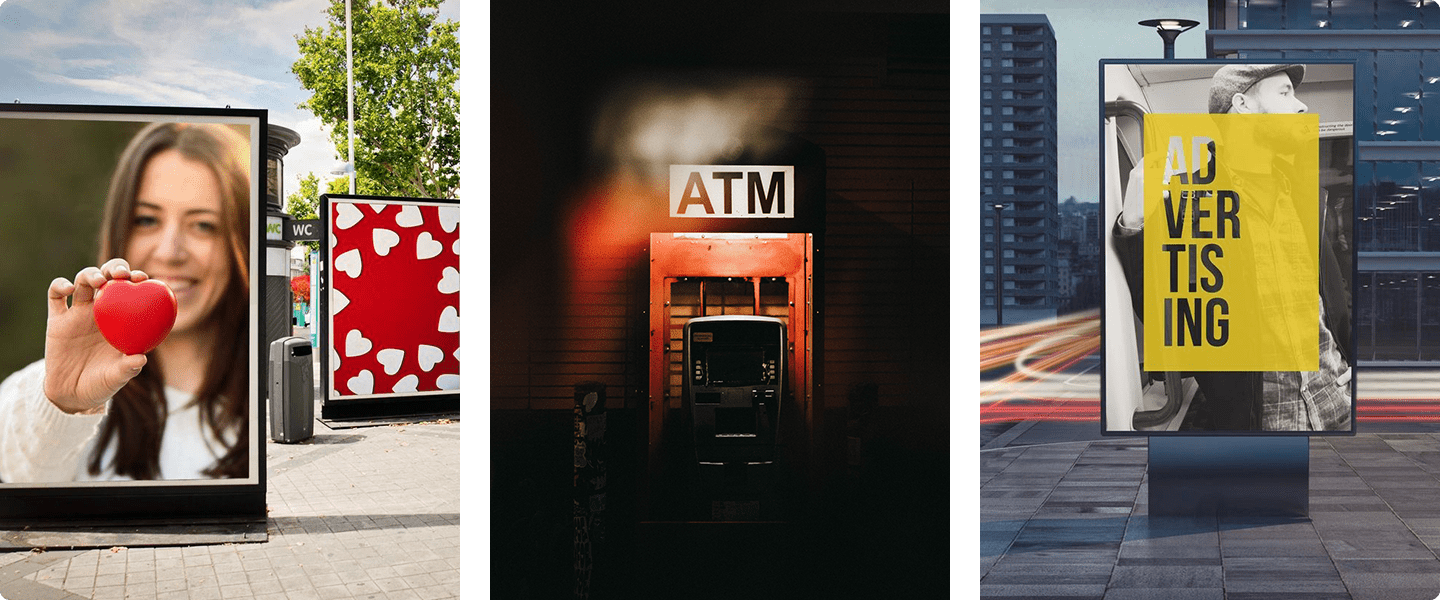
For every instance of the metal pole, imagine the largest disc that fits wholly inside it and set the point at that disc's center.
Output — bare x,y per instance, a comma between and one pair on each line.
1169,29
350,96
999,273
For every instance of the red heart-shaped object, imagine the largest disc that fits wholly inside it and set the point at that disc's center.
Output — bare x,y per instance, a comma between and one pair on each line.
135,317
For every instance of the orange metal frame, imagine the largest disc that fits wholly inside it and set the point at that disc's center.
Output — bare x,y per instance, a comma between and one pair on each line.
674,257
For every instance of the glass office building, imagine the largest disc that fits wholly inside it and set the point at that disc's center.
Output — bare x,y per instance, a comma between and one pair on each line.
1396,46
1018,168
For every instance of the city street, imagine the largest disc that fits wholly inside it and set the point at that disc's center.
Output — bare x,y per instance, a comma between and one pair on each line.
1065,514
1402,391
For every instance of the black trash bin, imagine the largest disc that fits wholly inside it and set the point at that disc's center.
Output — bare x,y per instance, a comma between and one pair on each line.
292,390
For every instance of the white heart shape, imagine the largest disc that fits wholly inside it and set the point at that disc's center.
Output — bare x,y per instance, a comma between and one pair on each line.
427,247
409,216
384,240
455,247
449,281
356,344
334,360
449,320
408,383
378,208
349,263
391,359
448,382
363,384
428,356
456,354
346,216
338,302
449,218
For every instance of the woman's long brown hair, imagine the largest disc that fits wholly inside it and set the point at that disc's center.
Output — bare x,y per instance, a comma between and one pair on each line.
137,413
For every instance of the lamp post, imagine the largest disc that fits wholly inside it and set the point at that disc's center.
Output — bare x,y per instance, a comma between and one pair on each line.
350,98
999,277
1169,29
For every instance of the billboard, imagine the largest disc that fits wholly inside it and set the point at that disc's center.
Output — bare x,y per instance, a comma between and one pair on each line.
390,305
1229,257
121,397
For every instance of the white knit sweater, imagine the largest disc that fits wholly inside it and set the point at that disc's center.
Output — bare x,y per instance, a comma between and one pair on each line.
40,443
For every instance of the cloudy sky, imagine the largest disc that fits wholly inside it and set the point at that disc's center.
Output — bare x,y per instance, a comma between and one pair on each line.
1086,32
207,53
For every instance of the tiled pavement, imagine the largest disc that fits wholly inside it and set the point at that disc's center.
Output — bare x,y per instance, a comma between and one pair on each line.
369,513
1071,520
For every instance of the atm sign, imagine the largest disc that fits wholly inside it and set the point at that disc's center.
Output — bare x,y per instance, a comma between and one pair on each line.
732,192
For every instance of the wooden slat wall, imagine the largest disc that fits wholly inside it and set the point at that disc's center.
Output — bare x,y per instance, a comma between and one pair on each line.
593,336
885,271
886,266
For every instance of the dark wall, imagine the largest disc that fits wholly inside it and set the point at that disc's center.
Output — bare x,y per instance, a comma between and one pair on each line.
877,104
876,93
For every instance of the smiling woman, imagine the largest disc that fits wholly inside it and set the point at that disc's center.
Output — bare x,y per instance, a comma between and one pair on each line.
177,213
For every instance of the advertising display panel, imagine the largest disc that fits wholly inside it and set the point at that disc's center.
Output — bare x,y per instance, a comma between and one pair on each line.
390,314
130,373
1228,192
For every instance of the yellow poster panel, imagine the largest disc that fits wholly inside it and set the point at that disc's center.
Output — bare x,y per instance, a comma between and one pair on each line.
1232,245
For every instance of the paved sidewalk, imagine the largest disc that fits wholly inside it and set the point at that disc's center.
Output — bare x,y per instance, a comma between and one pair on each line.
370,513
1070,519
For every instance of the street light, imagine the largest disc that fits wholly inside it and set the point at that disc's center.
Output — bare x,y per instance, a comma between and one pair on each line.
999,277
350,97
1169,29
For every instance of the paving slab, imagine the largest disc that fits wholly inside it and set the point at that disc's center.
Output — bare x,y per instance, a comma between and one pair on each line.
1372,532
374,517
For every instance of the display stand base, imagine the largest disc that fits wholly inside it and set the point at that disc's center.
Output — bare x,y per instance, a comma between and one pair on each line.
1229,476
58,536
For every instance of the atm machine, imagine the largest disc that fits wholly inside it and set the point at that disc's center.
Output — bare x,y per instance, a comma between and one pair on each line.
733,409
733,389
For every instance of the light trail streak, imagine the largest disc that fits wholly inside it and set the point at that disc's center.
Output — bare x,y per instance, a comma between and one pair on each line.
1041,352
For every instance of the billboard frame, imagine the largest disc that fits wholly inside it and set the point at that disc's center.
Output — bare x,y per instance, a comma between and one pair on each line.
187,501
1108,224
381,405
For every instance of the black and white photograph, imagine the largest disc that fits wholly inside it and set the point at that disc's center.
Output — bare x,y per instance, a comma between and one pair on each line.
1141,400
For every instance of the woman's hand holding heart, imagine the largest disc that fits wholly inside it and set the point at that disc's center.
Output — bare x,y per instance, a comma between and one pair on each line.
82,369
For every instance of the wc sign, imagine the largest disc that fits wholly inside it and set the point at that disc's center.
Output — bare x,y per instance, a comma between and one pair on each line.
732,192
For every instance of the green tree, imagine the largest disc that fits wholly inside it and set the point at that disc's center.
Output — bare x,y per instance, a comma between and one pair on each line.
305,202
407,104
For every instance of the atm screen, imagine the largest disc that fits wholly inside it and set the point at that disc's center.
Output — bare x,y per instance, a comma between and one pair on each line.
736,367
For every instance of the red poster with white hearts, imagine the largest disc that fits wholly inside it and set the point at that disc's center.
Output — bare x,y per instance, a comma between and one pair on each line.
394,298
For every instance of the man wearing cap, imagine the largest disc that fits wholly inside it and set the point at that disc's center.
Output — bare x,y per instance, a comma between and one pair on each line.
1265,401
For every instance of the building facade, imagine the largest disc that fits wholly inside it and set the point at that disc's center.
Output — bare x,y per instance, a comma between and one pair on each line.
1079,257
1396,46
1018,169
